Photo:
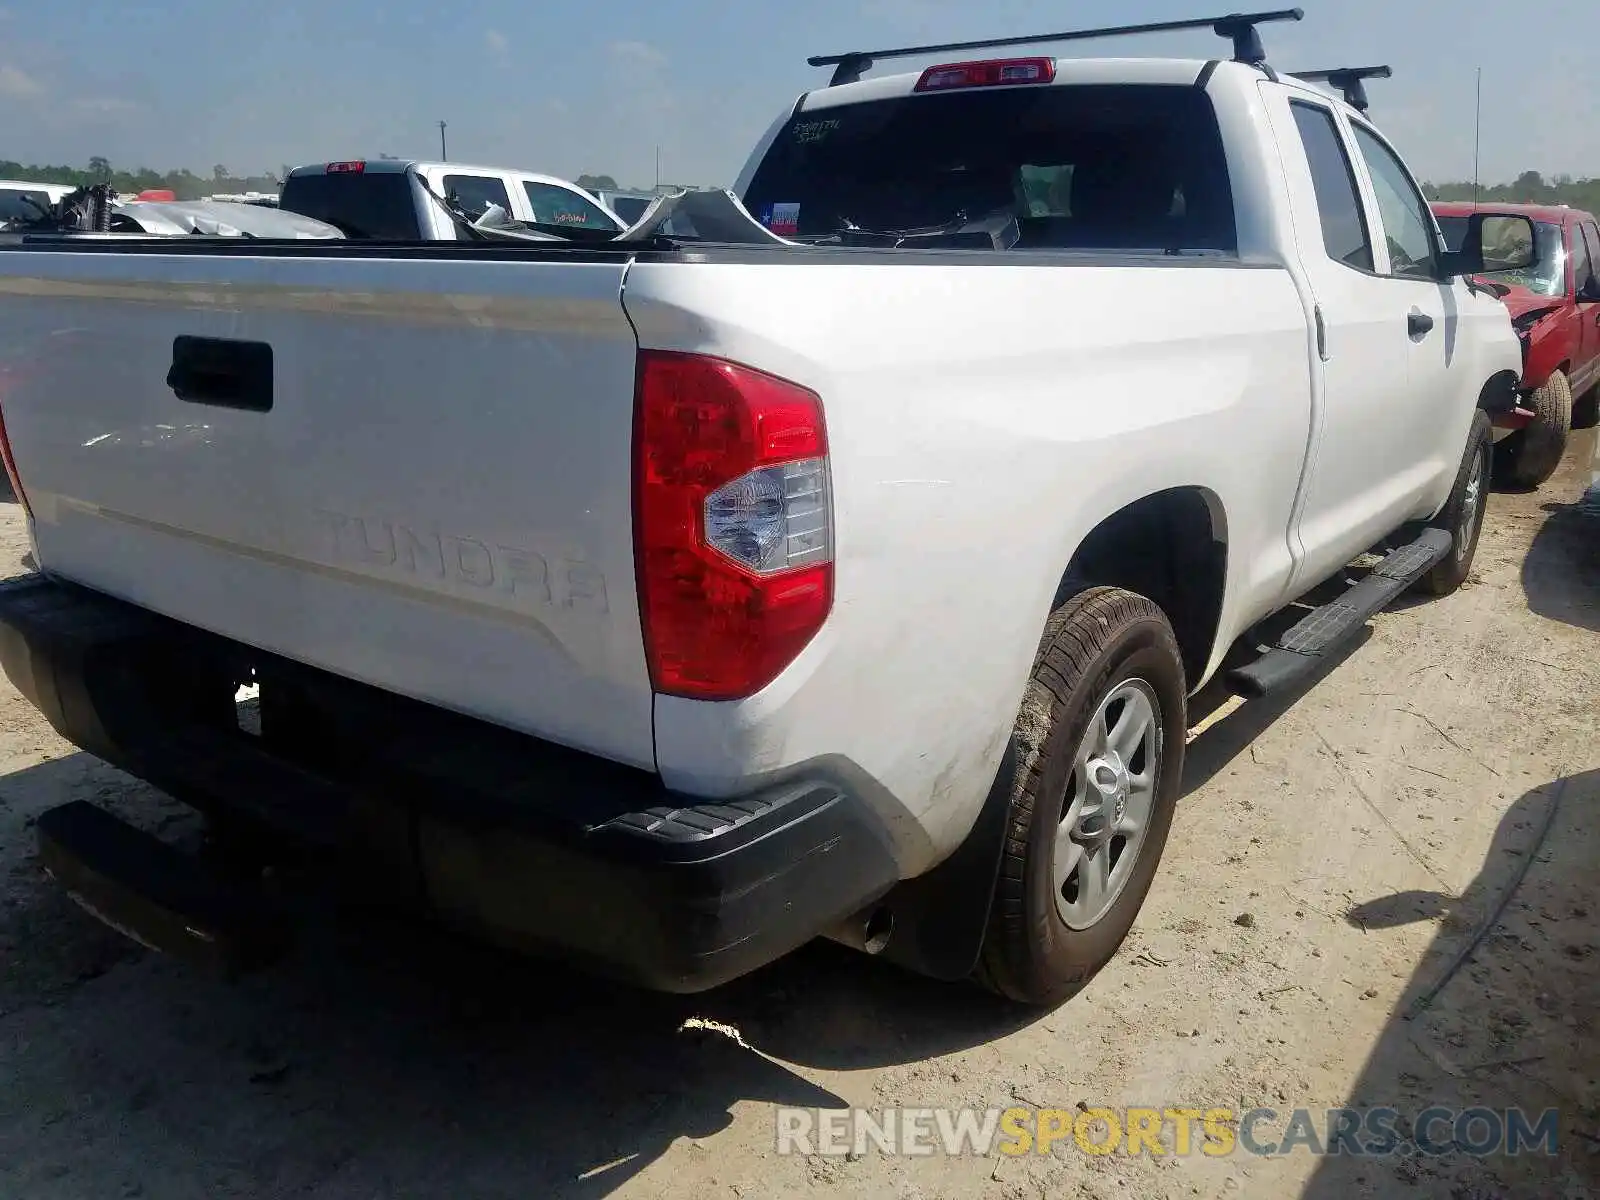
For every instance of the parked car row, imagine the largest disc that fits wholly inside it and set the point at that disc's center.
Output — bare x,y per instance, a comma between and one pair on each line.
673,602
399,200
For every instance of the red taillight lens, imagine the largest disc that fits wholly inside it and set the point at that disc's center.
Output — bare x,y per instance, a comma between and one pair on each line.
732,522
11,466
355,167
989,73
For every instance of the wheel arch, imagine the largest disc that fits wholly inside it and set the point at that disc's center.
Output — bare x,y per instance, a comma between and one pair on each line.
1170,546
940,917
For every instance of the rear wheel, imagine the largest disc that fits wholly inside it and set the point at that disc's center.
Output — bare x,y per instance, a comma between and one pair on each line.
1531,455
1101,741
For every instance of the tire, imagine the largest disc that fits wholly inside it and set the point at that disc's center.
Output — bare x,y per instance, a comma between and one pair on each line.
1462,513
1104,650
1531,455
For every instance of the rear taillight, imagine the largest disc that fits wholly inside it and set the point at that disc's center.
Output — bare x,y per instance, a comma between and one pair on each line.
732,522
994,72
11,466
351,167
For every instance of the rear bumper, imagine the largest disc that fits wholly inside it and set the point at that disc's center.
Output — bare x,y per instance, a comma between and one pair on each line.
528,844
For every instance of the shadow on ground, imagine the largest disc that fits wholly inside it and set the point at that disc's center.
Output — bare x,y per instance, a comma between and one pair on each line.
1509,1027
1561,575
384,1059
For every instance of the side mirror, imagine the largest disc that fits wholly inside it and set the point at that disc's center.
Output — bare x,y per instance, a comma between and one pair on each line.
1494,242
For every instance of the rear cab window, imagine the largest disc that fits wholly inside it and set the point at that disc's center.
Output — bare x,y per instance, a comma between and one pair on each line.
372,205
1138,167
18,204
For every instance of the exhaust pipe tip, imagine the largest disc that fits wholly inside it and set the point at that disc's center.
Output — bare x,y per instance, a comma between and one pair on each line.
868,931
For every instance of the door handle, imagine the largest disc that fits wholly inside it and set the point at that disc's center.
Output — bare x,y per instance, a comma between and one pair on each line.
1419,324
222,372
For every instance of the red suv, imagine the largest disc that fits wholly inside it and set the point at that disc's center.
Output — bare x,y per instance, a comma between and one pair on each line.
1555,308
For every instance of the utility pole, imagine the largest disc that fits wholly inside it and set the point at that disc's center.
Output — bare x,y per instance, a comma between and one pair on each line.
1477,139
658,168
443,157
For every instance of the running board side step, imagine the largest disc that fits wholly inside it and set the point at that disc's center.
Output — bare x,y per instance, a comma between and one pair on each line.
1326,630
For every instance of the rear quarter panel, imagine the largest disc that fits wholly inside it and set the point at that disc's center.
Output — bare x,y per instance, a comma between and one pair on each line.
982,420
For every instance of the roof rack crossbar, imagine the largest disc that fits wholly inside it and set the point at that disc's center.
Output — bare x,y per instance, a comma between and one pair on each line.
1239,28
1349,81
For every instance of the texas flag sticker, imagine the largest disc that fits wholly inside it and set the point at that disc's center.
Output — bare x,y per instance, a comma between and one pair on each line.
784,219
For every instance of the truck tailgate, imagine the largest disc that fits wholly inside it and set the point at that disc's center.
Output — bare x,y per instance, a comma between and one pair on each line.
437,500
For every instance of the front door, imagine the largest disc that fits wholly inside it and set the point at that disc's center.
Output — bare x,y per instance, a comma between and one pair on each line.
1426,427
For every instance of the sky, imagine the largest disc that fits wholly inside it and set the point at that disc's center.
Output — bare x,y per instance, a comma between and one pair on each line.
598,87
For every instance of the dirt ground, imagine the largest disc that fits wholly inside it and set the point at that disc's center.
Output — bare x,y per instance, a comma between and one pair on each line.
1332,855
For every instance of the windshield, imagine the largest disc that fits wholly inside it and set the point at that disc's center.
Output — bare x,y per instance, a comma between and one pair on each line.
1548,274
1128,167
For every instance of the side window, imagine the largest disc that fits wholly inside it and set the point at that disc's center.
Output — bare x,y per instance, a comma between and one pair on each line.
1344,225
556,206
476,192
1408,226
1583,256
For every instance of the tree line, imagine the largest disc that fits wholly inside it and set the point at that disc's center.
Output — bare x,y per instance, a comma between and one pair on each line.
185,184
1528,188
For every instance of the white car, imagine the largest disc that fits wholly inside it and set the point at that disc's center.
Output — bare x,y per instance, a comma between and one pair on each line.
672,603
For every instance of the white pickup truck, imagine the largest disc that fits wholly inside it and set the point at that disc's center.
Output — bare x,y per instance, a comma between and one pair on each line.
669,605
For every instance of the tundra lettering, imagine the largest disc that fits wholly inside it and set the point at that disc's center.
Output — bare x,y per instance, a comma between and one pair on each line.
406,550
